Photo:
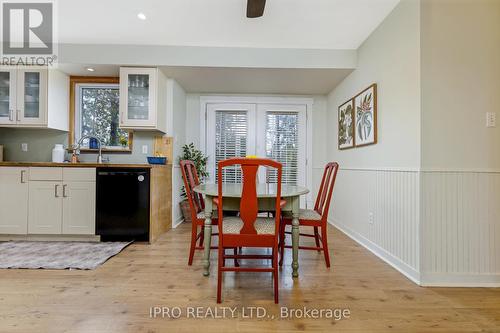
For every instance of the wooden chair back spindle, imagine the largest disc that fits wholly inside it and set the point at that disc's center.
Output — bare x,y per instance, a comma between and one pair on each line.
191,180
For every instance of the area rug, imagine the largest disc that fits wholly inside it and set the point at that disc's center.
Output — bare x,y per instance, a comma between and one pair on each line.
57,255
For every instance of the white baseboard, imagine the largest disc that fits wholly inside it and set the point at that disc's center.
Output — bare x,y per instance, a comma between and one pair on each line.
396,263
177,222
460,280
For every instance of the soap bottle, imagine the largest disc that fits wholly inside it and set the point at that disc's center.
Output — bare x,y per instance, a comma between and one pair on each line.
74,156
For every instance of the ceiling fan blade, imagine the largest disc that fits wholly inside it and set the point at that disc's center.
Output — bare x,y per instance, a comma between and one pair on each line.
255,8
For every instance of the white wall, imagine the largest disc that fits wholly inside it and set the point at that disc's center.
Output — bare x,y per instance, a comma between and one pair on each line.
460,156
176,127
193,119
390,57
383,179
460,83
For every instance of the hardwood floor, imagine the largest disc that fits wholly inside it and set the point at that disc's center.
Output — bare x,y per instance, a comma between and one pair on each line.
117,297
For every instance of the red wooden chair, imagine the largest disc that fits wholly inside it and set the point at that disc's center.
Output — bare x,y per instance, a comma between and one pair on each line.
248,230
196,205
317,217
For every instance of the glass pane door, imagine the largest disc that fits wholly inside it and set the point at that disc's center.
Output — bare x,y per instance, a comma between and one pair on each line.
281,136
31,95
282,145
230,133
5,96
138,97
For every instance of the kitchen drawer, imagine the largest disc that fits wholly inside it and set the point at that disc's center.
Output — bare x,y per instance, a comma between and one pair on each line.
46,174
79,174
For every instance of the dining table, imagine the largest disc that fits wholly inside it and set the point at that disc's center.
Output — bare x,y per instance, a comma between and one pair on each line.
266,194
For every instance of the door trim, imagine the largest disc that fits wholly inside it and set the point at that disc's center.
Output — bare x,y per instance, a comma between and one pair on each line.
286,100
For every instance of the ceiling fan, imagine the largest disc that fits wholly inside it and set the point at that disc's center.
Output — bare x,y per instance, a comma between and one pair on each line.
255,8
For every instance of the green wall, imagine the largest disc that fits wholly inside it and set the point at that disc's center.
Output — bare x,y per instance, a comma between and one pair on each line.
41,141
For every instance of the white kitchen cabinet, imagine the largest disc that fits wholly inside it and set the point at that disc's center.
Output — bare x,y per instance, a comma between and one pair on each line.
45,207
143,99
78,208
37,98
13,200
62,201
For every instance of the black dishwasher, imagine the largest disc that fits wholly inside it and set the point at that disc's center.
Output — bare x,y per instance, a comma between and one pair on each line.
122,208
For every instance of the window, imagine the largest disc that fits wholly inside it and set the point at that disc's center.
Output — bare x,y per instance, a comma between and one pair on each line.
96,113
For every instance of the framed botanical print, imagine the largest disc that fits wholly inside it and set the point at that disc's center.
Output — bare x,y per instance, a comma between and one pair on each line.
365,117
346,125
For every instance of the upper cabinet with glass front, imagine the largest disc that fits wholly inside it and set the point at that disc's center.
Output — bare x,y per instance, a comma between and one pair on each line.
142,99
7,96
31,97
25,99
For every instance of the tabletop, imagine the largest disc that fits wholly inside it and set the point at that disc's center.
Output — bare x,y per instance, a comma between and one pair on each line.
263,190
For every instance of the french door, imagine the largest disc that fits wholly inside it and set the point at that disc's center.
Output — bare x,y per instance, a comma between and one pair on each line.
276,131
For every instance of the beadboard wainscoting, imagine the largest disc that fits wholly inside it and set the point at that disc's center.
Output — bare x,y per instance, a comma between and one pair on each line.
379,208
460,228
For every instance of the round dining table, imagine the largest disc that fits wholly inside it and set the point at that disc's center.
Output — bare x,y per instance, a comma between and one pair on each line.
266,194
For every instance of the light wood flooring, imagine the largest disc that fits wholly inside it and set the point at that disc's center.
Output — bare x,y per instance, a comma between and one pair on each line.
117,296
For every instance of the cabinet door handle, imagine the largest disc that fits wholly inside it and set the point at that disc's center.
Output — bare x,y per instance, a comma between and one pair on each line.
56,194
17,115
64,191
11,115
23,172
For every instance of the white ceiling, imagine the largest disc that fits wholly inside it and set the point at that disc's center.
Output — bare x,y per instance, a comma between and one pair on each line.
237,80
309,24
257,80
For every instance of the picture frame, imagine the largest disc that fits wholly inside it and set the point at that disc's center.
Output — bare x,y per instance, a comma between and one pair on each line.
365,117
345,123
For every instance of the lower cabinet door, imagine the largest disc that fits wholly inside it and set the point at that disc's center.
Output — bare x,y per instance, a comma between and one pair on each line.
79,208
13,201
45,208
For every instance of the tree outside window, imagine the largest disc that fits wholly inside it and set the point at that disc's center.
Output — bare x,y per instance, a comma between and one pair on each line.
98,115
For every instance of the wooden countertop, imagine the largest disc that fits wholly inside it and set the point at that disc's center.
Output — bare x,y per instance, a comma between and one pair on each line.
81,165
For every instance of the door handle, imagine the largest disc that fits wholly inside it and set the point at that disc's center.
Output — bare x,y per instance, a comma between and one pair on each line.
17,114
55,191
64,191
23,172
11,115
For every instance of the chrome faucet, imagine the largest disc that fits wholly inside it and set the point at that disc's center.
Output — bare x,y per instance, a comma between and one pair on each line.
99,157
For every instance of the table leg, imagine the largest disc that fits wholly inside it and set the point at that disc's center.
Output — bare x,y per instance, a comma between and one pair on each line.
295,236
208,236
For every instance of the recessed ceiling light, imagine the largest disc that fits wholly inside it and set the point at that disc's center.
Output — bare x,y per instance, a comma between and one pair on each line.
90,69
141,16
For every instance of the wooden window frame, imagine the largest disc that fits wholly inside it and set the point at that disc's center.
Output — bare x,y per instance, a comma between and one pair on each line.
73,81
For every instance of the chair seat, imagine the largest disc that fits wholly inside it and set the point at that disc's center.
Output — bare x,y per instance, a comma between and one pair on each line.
201,215
263,225
305,214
